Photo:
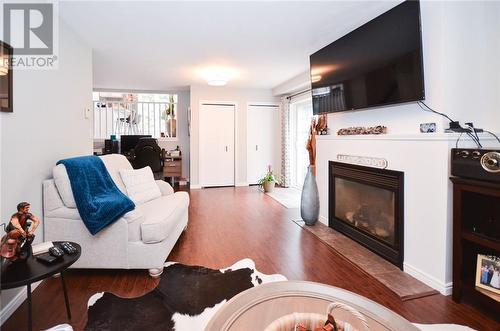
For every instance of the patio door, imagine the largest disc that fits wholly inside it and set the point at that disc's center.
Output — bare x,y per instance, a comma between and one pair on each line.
301,114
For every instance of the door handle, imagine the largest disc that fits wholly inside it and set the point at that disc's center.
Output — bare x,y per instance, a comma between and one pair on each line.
256,147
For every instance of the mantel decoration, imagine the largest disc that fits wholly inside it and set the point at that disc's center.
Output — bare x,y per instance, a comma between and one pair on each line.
16,244
366,161
309,201
357,130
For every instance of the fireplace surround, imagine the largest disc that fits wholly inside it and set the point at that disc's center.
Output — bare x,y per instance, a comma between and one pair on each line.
367,204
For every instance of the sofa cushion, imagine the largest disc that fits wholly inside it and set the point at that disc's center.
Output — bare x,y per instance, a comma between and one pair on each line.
140,184
114,163
63,185
161,216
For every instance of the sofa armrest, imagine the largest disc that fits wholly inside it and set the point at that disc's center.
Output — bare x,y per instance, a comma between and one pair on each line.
108,248
165,187
51,198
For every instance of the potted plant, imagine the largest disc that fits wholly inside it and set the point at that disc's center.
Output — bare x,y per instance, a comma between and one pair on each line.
268,181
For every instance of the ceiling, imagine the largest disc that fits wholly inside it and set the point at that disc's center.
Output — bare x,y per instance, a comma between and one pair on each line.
171,45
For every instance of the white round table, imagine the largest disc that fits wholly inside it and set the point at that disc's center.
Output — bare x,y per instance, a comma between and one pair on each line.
256,308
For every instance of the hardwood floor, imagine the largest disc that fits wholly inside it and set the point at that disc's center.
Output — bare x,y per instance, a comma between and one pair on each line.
226,225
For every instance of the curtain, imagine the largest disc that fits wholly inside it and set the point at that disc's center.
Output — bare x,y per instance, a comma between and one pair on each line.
285,142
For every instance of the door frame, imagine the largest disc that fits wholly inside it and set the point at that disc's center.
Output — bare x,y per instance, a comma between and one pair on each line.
262,104
236,152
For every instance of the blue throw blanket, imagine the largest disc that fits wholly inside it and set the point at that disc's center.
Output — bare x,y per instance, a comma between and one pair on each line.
99,201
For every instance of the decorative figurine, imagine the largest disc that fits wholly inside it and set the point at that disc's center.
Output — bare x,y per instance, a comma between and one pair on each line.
16,244
379,129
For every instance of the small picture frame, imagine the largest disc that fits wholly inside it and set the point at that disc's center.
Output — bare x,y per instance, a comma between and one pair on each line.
428,127
6,52
488,273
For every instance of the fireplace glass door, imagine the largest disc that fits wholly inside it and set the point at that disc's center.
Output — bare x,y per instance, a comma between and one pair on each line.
368,208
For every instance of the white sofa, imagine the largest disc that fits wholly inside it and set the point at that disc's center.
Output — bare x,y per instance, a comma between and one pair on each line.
141,239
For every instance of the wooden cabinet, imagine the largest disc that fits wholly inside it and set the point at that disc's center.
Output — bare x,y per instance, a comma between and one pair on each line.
476,230
172,167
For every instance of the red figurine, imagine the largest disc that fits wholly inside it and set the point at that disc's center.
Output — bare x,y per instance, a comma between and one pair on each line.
20,233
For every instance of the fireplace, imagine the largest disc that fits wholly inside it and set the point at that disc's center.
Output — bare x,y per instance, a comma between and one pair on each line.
366,204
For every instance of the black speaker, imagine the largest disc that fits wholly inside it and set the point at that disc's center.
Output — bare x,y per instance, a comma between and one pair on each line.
480,164
110,146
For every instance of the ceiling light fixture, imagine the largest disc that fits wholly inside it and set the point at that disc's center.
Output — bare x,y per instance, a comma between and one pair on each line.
217,79
216,82
217,75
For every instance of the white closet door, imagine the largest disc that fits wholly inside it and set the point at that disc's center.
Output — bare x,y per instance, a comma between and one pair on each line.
262,141
216,145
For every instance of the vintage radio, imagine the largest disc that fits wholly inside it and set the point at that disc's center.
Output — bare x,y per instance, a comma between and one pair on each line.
481,164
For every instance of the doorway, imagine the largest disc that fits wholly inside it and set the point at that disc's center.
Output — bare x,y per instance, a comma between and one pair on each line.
262,140
217,145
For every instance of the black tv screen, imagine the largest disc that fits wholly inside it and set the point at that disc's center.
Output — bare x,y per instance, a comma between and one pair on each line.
379,63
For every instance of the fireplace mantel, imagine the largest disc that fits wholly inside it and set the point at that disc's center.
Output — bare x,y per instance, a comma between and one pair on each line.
452,137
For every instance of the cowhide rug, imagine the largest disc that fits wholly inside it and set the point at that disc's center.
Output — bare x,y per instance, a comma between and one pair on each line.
185,299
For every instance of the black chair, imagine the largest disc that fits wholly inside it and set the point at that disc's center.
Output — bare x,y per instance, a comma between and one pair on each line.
148,153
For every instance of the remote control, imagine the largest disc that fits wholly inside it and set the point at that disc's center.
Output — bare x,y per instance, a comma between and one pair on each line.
68,248
56,251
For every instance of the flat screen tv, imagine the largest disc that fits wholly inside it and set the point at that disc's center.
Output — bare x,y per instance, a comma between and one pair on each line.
378,64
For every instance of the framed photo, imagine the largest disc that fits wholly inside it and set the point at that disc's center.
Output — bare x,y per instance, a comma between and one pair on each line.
488,273
6,53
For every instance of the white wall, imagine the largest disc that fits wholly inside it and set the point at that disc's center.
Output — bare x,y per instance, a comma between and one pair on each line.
472,68
241,97
298,83
47,125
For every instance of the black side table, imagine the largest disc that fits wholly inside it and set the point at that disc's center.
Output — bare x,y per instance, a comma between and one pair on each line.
24,273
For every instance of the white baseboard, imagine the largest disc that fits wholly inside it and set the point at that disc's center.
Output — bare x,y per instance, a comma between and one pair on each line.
194,186
16,301
443,288
241,184
323,220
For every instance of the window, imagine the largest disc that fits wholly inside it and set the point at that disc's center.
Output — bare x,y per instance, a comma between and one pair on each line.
117,113
301,115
